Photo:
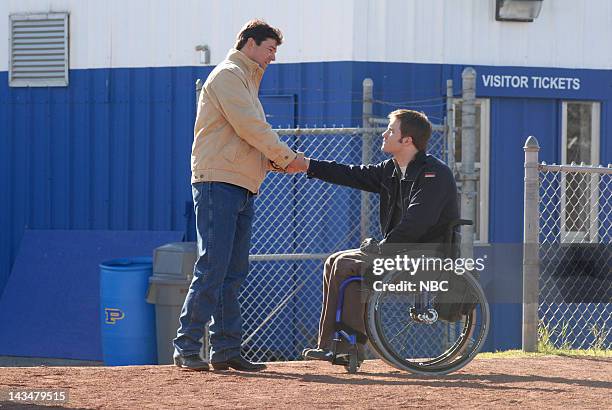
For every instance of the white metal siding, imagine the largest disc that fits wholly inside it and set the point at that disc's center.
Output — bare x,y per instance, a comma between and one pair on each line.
149,33
568,33
38,54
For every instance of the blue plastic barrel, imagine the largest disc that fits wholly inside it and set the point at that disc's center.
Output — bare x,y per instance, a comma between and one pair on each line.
127,320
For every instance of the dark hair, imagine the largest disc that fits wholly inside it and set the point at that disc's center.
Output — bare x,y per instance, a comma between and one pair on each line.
414,124
259,31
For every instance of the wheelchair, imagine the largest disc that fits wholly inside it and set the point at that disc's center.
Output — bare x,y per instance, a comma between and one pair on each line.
419,331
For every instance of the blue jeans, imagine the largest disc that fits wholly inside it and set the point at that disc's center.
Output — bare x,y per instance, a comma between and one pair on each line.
224,216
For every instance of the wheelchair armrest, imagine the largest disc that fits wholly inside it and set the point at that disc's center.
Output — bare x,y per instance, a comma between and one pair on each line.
453,224
457,222
450,238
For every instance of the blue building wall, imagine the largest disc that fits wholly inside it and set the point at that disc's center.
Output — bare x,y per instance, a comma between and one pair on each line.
111,151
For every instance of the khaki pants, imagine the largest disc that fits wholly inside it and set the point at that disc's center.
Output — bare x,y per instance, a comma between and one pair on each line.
338,267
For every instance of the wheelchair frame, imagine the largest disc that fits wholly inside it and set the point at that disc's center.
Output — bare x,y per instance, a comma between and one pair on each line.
345,333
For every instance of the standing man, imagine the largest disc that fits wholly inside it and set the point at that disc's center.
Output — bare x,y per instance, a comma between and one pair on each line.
232,151
418,199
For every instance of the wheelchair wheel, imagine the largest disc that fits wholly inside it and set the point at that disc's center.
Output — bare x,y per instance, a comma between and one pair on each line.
405,331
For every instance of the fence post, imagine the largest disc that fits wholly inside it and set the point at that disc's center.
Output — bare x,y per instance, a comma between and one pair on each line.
366,155
205,350
531,264
450,126
199,85
468,157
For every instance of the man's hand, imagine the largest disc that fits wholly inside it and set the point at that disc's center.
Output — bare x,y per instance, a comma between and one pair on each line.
299,164
370,246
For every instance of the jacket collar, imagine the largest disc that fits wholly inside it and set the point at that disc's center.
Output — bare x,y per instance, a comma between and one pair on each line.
413,166
248,65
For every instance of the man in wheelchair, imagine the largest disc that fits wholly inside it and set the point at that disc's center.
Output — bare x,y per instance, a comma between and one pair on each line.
418,200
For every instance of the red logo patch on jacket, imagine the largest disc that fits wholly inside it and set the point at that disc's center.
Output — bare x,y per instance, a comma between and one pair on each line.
430,175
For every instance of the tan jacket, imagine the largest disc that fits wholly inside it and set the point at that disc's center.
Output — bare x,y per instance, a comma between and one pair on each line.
232,142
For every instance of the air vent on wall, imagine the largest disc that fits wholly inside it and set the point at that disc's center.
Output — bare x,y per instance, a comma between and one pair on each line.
38,50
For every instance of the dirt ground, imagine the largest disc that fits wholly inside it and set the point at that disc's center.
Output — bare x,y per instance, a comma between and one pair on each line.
541,382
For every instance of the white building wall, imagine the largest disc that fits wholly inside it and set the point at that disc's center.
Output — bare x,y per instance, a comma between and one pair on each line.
143,33
568,33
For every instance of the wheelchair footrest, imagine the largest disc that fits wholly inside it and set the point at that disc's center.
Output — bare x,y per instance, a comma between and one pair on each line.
350,334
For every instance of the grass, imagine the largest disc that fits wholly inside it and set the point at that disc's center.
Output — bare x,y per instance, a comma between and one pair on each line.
560,333
547,352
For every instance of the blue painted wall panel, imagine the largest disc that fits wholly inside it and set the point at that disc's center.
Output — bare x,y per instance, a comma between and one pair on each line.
109,152
512,120
7,214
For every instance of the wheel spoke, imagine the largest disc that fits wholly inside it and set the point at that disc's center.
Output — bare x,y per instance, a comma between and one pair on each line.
401,331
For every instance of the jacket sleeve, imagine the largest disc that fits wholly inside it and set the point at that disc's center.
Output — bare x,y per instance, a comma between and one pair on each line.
425,208
234,100
364,177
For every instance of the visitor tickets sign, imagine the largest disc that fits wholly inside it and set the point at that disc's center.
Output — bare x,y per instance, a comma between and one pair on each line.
523,81
542,82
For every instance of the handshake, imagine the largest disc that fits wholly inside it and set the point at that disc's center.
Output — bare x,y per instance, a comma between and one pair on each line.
299,164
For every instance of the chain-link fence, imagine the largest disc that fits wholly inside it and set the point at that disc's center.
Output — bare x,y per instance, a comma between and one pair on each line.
576,258
299,221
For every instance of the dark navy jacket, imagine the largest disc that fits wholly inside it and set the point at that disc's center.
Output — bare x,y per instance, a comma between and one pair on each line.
428,195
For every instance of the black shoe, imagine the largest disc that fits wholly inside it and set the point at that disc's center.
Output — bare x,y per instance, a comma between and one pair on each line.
191,362
317,354
326,355
239,363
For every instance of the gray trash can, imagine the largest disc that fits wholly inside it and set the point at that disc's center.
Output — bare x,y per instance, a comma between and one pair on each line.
168,286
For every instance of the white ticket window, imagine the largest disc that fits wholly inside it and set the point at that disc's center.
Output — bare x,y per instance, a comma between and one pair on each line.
580,191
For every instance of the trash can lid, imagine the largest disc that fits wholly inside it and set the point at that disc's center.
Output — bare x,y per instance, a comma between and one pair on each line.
178,247
176,259
168,279
128,264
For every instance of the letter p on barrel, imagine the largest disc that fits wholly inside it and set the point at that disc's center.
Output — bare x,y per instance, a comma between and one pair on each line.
112,315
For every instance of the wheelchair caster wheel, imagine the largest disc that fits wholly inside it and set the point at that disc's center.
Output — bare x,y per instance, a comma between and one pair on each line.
353,364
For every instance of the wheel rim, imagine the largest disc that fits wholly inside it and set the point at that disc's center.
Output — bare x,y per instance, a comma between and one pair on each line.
421,344
440,359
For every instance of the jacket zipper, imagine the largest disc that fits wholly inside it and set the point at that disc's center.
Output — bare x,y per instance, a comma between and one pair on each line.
401,197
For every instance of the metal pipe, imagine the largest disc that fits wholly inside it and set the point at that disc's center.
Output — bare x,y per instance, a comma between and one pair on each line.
288,257
366,154
468,158
577,168
325,131
450,126
531,261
